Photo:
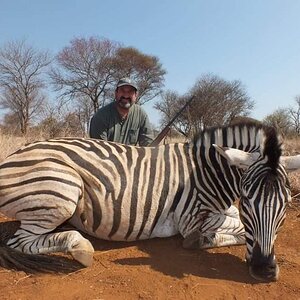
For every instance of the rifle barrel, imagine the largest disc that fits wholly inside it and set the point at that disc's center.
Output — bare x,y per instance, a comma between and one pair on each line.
166,129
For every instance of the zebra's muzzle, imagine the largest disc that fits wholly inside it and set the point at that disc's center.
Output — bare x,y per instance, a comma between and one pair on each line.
264,272
261,267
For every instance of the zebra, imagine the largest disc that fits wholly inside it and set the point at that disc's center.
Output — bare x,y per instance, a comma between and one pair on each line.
127,193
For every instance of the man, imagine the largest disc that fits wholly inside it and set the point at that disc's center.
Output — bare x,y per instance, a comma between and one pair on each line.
123,120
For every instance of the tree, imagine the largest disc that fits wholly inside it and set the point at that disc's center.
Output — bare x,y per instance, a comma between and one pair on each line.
90,69
170,104
280,120
21,81
84,111
145,70
219,101
58,120
245,120
294,114
216,102
10,124
85,68
166,106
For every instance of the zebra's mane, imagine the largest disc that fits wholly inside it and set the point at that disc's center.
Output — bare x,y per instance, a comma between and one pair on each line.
247,136
272,147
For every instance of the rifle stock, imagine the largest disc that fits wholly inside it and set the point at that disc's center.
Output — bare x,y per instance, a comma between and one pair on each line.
167,128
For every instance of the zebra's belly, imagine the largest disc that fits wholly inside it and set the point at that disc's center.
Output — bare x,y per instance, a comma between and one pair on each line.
165,228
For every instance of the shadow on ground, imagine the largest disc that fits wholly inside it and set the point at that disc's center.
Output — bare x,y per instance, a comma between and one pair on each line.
163,255
168,257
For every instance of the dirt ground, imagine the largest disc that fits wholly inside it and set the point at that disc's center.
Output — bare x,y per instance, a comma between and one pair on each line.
162,269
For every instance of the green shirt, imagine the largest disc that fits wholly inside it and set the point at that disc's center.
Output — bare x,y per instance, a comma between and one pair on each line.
108,125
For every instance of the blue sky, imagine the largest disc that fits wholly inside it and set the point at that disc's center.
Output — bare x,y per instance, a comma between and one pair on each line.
256,42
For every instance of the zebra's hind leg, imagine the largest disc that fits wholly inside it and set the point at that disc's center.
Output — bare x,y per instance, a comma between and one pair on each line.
217,230
39,219
42,198
28,241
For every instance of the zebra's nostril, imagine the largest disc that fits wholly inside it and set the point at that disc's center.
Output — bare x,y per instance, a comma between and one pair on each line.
261,267
264,272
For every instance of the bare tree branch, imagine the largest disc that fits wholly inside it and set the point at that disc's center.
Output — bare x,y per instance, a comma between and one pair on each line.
280,120
295,115
216,102
21,80
90,69
85,69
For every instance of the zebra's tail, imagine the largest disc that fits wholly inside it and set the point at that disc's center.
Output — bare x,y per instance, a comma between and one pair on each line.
35,263
31,263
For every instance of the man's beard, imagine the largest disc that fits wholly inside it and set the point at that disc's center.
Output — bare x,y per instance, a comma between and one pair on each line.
125,102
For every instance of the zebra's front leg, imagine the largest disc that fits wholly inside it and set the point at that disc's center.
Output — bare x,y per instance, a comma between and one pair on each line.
217,230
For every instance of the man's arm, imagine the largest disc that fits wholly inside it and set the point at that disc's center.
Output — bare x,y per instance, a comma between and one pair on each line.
145,133
98,129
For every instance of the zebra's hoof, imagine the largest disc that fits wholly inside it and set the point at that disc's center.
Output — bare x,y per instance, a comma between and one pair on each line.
83,257
193,241
83,253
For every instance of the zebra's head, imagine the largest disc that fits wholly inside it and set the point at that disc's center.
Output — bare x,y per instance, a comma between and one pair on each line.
264,194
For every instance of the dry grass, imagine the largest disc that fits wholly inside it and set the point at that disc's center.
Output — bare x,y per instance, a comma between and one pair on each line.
10,143
292,147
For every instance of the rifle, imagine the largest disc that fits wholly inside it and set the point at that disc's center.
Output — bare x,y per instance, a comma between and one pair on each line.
167,128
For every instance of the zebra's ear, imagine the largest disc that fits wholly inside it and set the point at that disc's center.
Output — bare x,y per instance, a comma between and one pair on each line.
236,157
291,163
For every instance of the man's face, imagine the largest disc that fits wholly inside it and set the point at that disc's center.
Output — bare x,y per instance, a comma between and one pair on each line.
125,96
